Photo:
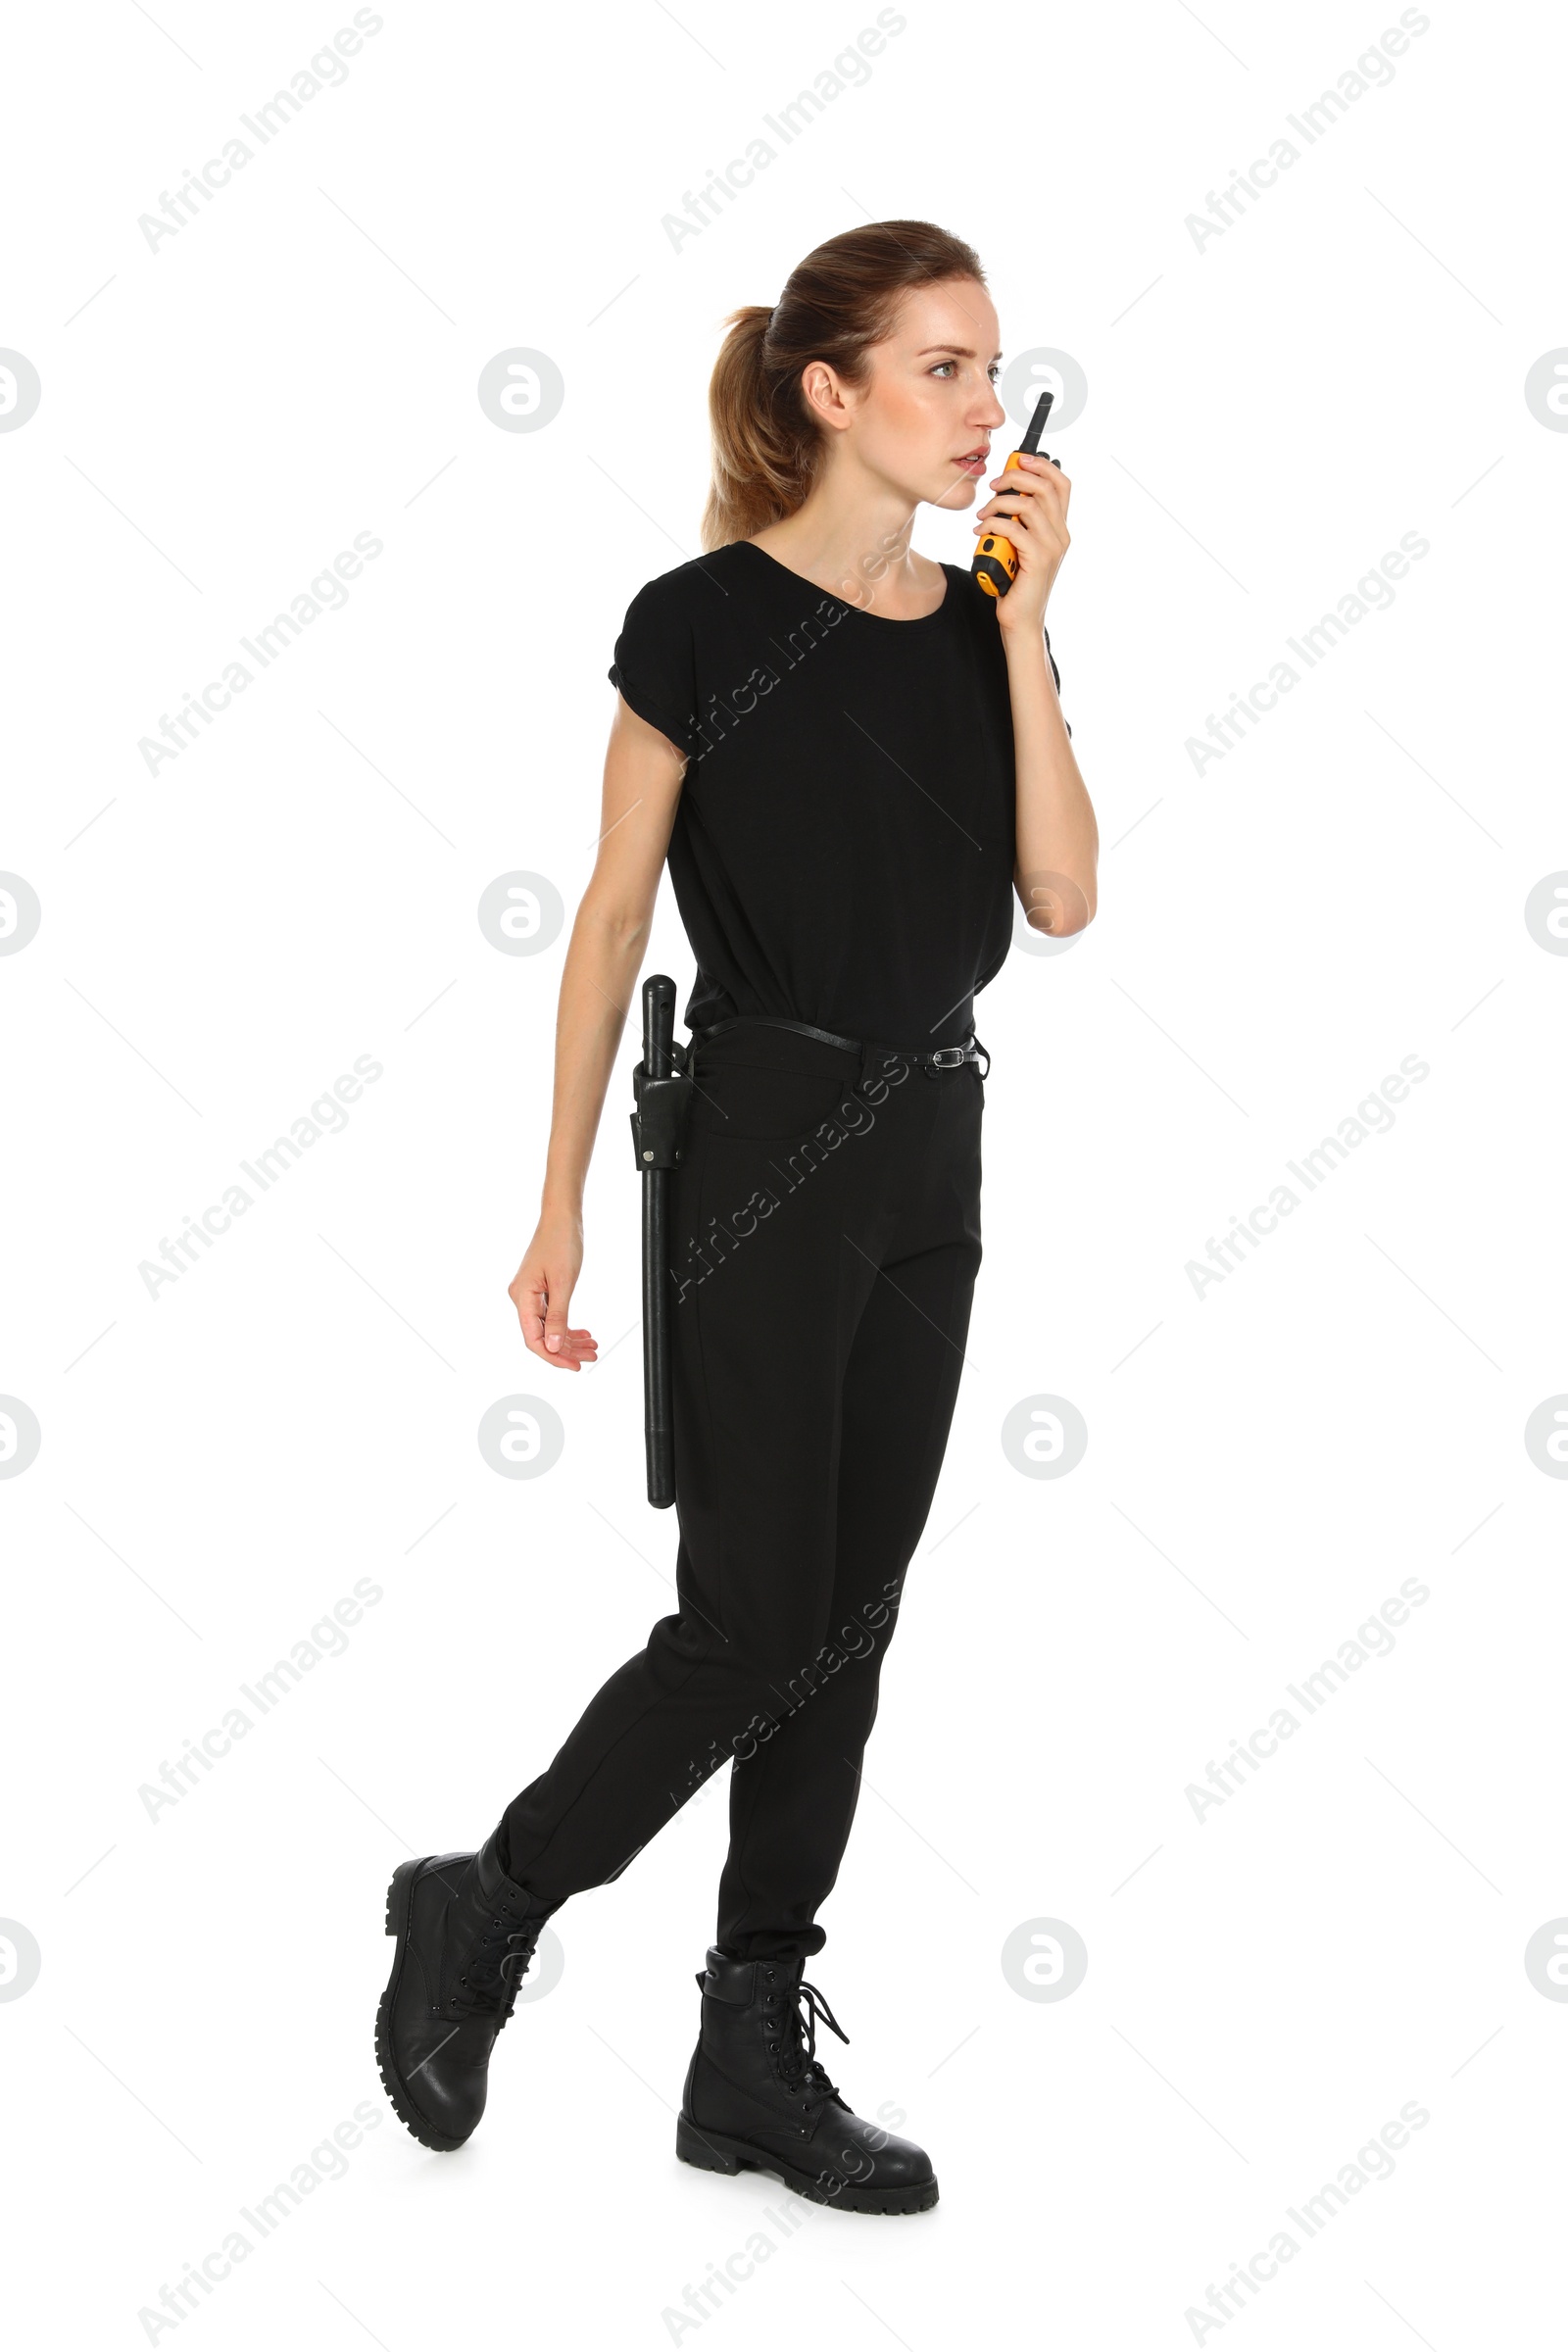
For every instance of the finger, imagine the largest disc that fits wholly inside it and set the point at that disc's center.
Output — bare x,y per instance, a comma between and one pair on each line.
1009,484
558,1363
556,1322
1040,472
1047,515
1031,467
1046,490
566,1360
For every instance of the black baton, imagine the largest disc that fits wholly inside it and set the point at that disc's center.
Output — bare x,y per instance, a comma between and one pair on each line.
658,1124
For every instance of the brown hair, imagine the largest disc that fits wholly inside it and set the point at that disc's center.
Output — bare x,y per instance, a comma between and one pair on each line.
838,302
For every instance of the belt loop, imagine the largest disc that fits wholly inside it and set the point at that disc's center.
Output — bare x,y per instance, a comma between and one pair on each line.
868,1054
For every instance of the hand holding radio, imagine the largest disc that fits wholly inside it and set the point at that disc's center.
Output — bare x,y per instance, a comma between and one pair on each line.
1031,496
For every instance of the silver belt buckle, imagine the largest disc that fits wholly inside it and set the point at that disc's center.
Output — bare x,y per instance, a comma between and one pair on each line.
949,1058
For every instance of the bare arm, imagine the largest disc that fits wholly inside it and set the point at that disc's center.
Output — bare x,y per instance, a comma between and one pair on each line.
1057,840
643,773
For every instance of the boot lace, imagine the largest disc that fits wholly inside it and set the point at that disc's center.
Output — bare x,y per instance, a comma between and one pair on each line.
497,1964
794,2052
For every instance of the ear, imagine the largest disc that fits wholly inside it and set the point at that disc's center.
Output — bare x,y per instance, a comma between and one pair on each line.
825,396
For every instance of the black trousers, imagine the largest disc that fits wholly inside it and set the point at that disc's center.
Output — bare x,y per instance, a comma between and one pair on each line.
827,1229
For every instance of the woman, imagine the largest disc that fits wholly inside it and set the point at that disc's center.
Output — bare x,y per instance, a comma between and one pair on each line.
852,757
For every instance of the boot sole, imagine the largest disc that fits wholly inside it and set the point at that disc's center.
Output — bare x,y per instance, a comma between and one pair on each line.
717,2152
399,1902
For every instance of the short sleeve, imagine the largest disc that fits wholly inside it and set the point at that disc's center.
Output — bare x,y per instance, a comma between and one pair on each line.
1057,675
654,670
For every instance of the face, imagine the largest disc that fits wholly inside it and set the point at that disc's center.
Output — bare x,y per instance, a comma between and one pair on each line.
922,421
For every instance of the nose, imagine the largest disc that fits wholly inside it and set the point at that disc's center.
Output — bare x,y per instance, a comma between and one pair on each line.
991,412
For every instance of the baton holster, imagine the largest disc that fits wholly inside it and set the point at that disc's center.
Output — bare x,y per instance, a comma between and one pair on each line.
659,1122
661,1091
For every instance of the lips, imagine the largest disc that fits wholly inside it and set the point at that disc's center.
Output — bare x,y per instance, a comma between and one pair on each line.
974,463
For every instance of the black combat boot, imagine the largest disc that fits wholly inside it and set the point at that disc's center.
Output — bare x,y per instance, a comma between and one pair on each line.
757,2097
466,1935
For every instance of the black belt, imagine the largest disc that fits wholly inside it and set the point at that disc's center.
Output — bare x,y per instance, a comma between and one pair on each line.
945,1058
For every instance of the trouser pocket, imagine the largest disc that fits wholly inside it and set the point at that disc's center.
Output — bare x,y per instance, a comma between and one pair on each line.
770,1086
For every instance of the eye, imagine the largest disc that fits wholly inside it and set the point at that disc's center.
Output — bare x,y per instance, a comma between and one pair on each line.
941,363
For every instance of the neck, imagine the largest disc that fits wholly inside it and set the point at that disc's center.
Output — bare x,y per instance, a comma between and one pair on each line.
853,541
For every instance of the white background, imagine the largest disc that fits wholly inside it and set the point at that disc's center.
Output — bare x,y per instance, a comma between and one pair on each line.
1266,416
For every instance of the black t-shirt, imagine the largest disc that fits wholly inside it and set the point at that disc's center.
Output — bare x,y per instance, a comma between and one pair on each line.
843,849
